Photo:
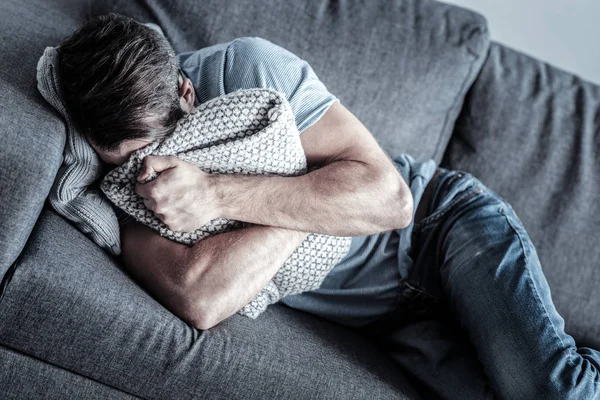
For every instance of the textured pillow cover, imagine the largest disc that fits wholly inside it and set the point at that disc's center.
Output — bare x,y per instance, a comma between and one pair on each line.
250,131
74,194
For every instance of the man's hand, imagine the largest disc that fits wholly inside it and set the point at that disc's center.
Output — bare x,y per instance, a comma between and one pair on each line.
182,196
356,191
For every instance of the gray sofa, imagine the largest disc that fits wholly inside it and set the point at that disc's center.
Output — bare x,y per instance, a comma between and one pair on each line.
423,76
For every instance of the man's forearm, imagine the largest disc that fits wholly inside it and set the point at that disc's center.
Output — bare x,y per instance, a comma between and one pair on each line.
227,270
343,198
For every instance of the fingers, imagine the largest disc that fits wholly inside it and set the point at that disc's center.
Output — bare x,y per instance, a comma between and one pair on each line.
155,165
151,205
144,190
152,166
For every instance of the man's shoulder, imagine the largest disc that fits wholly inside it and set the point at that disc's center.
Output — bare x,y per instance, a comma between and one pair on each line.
242,63
248,48
191,59
253,45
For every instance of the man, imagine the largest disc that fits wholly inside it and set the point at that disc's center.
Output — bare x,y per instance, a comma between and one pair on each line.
424,239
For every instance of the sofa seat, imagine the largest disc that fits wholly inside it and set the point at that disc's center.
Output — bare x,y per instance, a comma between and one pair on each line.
68,303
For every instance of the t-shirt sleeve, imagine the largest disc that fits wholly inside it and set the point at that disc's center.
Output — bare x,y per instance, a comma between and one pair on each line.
253,62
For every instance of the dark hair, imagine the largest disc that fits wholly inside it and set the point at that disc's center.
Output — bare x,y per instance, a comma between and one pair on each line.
120,81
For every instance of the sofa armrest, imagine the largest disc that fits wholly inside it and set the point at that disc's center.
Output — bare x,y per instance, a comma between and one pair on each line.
31,152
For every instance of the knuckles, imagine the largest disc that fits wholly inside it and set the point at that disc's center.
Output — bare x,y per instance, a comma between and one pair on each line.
172,225
158,209
153,191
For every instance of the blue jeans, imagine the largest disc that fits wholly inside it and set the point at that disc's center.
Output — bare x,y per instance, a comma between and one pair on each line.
475,271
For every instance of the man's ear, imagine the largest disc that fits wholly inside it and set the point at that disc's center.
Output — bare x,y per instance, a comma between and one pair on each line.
186,95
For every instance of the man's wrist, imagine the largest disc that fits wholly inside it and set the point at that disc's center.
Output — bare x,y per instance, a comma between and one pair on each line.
216,195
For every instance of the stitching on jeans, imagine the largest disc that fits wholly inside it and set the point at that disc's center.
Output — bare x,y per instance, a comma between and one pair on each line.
535,289
418,289
526,256
464,195
438,213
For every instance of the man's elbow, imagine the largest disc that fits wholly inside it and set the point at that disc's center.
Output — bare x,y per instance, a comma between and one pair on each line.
401,204
405,208
203,321
194,303
200,315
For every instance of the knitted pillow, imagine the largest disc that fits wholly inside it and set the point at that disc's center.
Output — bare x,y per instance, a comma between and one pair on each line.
250,131
74,194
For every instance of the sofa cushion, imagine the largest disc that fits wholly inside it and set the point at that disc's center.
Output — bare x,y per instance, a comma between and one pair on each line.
32,137
69,304
532,133
33,134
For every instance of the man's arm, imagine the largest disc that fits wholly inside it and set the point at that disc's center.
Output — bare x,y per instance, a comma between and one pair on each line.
358,191
208,282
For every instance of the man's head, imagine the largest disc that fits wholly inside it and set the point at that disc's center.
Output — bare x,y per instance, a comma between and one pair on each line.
122,85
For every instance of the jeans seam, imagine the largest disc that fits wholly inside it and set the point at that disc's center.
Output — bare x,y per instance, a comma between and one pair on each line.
464,195
535,289
421,291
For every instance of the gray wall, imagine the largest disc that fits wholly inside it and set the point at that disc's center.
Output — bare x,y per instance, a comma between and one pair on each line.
565,33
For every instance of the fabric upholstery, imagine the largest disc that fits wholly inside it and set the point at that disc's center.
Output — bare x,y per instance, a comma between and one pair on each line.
26,176
33,134
70,305
531,132
31,379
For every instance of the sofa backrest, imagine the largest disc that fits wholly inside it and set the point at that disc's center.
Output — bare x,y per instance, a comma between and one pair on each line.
402,67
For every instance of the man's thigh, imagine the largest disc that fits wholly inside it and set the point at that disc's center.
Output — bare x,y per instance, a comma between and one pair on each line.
478,262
